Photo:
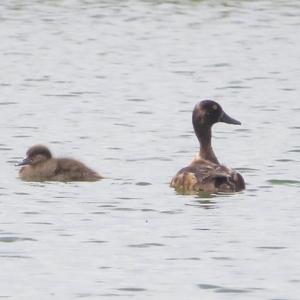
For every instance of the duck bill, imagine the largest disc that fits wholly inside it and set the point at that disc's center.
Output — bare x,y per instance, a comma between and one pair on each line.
25,161
226,119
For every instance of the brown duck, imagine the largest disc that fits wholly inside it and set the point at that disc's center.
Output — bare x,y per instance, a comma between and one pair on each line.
39,165
205,173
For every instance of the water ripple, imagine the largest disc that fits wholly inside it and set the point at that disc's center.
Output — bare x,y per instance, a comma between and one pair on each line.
220,289
12,239
146,245
271,247
8,103
143,183
132,289
286,182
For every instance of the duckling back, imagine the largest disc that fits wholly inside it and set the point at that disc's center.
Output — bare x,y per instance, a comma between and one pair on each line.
68,169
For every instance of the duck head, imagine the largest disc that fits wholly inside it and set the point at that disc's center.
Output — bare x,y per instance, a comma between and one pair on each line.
207,112
36,154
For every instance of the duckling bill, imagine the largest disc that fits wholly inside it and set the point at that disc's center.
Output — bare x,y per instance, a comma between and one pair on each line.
39,165
205,173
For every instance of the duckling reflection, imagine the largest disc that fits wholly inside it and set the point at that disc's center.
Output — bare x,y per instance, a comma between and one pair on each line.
205,173
39,165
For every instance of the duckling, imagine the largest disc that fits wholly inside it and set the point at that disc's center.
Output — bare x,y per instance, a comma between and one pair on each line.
39,165
205,173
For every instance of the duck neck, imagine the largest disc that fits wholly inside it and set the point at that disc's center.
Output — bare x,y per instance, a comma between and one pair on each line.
206,152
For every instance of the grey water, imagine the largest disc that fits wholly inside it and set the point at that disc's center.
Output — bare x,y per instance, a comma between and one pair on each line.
113,83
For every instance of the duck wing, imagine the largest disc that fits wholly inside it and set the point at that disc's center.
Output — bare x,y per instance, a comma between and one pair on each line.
208,177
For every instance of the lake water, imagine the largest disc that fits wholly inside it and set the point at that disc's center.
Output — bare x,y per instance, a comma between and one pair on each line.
113,83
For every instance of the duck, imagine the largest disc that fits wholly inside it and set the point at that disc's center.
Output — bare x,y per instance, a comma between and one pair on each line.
205,173
39,165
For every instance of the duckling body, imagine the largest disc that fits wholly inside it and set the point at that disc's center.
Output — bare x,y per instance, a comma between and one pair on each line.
205,173
39,165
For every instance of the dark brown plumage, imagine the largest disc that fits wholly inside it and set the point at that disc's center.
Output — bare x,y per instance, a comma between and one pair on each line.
39,165
205,173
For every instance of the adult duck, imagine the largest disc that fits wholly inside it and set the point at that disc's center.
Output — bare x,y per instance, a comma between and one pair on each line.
205,173
39,165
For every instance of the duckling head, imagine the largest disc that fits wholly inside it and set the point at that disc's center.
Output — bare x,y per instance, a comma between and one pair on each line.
36,154
208,112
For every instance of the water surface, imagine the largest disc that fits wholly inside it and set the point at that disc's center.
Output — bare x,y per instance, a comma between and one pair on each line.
114,84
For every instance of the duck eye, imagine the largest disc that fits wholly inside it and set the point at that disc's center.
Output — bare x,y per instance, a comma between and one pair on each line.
215,107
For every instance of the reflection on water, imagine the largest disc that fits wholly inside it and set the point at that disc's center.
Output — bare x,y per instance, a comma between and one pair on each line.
207,204
114,84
